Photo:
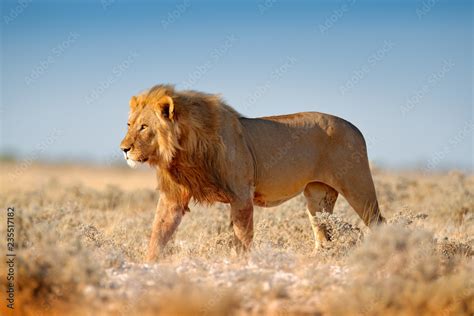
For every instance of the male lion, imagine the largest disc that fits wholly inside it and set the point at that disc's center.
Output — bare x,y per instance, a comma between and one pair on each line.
203,149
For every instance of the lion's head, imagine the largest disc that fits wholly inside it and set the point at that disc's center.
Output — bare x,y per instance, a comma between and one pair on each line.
179,131
152,134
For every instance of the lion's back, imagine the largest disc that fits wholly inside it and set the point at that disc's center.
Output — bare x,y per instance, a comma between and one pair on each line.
334,127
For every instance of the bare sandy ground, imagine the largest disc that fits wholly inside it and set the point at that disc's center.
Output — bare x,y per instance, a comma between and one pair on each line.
82,231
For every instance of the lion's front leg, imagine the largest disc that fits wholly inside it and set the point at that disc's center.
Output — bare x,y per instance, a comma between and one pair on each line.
242,222
167,218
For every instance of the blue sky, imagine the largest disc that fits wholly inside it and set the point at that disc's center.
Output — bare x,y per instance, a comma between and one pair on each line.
399,70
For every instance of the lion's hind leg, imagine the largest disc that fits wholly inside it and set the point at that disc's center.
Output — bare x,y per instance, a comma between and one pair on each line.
320,198
359,190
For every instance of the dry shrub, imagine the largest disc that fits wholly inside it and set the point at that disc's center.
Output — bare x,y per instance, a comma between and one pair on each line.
342,236
397,271
198,236
407,217
53,266
452,248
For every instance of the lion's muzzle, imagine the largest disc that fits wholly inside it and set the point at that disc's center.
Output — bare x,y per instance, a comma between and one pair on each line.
126,149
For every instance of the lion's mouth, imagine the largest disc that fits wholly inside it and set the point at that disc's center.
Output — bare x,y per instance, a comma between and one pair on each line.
133,163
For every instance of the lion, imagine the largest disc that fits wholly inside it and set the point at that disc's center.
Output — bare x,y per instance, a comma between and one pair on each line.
204,150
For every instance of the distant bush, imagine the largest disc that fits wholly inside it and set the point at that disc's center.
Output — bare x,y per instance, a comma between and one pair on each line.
399,271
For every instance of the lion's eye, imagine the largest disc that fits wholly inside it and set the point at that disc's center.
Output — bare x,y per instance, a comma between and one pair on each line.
143,127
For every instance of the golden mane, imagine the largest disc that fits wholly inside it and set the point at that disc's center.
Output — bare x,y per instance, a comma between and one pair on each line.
197,167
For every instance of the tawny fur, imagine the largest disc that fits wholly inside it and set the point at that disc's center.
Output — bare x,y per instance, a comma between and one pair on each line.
203,149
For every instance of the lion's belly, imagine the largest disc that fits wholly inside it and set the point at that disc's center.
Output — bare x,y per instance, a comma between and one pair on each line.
283,181
266,197
262,202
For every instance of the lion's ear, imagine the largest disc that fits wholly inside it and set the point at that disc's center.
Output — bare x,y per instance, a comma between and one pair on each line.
166,107
133,103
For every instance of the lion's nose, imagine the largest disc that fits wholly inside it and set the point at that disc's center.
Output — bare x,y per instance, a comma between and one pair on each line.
125,149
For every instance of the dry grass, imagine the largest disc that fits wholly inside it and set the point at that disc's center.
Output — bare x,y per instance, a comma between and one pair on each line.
82,233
